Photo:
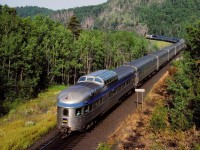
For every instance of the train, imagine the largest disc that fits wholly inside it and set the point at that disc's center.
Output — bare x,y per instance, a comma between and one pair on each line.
81,104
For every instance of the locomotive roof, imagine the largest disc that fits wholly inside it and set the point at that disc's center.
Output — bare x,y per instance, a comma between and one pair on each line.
104,74
77,94
139,63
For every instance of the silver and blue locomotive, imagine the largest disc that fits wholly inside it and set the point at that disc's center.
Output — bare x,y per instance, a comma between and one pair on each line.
94,94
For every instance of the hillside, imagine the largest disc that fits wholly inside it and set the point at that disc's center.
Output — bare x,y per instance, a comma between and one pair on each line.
122,15
86,15
153,16
171,17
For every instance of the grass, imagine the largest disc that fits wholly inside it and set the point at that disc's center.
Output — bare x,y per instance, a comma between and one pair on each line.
104,146
24,125
159,44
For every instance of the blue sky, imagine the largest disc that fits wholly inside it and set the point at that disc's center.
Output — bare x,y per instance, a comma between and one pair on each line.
52,4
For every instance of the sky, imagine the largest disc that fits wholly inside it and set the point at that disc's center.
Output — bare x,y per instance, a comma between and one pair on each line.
52,4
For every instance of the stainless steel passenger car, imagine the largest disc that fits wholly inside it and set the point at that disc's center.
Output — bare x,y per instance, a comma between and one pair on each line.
95,93
144,66
91,97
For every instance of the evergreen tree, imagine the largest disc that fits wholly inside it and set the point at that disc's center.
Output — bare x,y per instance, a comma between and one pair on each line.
74,26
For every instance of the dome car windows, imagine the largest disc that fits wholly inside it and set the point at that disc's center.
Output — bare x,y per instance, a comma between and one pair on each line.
82,79
98,80
90,79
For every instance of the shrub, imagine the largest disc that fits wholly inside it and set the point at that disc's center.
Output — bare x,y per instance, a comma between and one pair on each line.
157,146
196,146
179,120
103,146
159,118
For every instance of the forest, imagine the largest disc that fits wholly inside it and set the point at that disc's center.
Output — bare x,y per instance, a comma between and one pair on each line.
36,53
63,16
175,121
32,11
162,17
171,17
184,85
181,106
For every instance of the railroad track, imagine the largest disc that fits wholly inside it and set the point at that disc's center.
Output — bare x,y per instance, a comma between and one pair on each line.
50,142
61,142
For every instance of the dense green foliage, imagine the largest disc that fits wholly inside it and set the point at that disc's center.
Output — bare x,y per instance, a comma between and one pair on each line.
29,52
170,17
32,11
80,12
182,107
36,53
162,17
86,15
184,86
180,87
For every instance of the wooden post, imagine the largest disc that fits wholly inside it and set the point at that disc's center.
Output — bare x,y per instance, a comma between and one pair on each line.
140,91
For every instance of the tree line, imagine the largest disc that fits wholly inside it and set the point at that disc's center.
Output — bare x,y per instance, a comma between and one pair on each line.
164,17
185,84
32,11
170,18
36,53
182,105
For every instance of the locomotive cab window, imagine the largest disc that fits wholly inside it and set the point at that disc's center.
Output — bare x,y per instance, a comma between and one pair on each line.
65,112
